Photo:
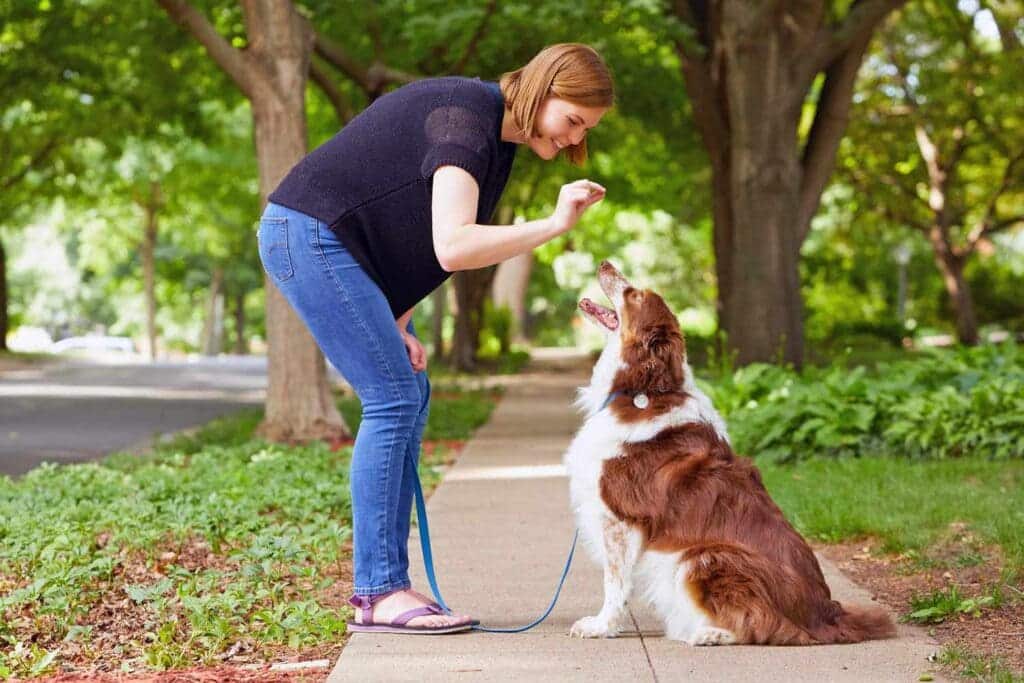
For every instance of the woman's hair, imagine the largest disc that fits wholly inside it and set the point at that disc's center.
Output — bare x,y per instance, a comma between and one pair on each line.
571,71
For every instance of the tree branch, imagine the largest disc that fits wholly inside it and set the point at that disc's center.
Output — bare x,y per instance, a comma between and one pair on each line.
988,225
373,79
862,18
862,184
474,41
342,107
232,61
831,117
1005,223
334,54
43,152
708,107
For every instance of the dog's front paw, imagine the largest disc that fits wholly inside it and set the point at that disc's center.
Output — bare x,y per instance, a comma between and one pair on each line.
593,627
709,635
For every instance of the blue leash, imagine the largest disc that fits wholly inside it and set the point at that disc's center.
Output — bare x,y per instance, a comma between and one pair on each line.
428,562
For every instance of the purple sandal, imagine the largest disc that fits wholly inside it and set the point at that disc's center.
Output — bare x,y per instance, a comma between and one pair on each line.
398,624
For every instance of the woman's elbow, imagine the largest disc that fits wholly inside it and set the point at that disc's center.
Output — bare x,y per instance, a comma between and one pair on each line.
447,257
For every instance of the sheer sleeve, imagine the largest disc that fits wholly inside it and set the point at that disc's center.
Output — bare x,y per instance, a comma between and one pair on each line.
457,136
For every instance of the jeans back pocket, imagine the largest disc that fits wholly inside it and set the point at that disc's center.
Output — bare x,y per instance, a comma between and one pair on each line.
273,245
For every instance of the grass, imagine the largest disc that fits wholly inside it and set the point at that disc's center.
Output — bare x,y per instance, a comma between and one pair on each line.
969,665
909,505
214,542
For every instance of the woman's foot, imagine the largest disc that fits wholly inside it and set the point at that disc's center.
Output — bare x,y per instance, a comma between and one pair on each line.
399,602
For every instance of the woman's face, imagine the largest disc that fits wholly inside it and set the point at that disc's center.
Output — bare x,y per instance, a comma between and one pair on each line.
560,123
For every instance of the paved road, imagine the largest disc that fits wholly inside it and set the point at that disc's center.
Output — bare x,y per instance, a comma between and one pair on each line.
81,410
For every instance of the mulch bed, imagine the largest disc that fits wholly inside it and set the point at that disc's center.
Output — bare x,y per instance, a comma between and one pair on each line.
894,580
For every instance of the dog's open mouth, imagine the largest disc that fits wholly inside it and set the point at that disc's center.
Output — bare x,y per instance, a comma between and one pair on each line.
605,316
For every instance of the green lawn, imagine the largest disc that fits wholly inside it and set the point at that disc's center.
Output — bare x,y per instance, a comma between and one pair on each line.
908,504
212,541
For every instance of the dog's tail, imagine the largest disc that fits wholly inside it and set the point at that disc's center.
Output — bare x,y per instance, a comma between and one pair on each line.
856,623
762,602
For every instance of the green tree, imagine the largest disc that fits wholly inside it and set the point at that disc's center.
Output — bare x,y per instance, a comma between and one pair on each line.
940,117
72,72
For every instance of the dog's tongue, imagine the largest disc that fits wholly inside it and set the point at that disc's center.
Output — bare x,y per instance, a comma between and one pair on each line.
605,316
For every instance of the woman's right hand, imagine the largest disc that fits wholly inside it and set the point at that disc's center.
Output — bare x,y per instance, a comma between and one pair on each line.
573,199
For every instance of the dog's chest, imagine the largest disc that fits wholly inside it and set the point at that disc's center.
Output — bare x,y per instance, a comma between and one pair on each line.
596,442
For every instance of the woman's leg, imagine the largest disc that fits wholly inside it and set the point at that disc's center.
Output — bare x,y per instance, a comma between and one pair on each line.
405,497
352,323
350,319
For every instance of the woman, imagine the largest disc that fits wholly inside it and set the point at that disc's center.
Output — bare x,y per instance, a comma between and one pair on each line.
376,218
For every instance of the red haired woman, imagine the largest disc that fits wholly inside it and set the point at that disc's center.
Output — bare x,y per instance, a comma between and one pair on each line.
371,222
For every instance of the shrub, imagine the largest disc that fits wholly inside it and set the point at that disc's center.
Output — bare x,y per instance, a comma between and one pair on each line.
943,404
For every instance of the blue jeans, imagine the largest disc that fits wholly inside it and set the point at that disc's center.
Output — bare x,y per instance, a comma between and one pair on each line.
352,322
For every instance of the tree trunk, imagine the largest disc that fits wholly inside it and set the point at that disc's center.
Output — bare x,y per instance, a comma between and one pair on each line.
271,72
241,346
510,285
748,69
300,406
151,207
952,268
213,325
763,303
3,297
439,299
471,287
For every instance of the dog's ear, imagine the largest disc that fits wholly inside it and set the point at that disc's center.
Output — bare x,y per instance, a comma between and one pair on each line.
662,359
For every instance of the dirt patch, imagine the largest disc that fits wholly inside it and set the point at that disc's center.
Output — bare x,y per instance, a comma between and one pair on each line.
995,631
118,622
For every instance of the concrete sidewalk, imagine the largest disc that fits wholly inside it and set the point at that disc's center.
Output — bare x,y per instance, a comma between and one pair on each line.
501,530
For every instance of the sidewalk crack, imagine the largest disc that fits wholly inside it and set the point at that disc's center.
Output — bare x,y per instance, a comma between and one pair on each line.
643,644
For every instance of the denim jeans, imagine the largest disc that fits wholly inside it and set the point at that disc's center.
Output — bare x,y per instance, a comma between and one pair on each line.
352,322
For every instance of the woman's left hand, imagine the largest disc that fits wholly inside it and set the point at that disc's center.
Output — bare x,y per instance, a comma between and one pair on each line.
417,354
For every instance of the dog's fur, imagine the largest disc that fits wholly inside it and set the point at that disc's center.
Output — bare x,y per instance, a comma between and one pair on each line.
664,505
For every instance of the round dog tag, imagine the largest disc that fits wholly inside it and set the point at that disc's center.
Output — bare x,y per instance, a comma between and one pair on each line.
641,401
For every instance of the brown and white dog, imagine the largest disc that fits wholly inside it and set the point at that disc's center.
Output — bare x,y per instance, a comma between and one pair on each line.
666,507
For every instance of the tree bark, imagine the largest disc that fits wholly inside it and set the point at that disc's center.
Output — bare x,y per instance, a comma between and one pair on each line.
241,345
300,406
3,297
471,287
213,325
151,207
272,73
439,298
952,269
510,284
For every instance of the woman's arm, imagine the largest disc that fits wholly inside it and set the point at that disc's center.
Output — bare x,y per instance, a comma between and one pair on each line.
403,321
462,244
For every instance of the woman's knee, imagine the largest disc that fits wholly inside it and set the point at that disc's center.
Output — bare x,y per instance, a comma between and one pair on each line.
401,401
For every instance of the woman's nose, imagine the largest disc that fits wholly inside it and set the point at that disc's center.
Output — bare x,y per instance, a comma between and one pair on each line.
577,136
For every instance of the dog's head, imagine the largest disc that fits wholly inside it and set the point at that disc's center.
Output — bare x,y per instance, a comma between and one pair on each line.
645,351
